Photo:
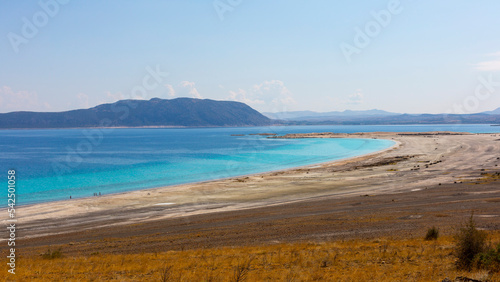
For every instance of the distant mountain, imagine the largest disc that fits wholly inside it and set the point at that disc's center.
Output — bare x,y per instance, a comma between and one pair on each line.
188,112
136,113
310,115
289,115
374,117
494,112
404,119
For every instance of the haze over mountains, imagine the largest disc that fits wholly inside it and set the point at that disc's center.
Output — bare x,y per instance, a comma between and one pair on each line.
375,117
190,112
310,115
347,114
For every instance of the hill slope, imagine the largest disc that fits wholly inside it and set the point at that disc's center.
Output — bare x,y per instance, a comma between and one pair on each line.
135,113
494,112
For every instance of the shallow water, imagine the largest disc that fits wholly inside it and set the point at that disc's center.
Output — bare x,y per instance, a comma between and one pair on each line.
54,164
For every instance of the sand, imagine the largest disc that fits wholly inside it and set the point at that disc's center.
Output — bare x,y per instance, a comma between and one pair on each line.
417,162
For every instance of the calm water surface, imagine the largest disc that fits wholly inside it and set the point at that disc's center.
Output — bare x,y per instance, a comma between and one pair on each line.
54,164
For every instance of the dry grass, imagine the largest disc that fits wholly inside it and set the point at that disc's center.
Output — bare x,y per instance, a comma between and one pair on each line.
353,260
488,177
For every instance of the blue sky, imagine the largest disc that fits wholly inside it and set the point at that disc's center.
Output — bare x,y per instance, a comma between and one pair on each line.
416,56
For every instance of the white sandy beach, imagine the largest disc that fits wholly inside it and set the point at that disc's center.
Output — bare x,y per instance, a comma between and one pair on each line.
415,162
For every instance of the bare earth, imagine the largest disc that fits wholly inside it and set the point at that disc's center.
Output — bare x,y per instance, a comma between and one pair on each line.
426,179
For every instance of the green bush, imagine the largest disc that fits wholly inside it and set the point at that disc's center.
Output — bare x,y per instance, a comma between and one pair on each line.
52,254
470,242
489,260
432,234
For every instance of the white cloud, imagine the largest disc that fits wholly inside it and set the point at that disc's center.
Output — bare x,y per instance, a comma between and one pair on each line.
187,88
495,54
268,96
491,65
114,97
111,97
11,101
241,95
170,90
356,98
83,100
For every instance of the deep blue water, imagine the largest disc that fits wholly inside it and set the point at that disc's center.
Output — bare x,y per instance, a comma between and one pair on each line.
54,164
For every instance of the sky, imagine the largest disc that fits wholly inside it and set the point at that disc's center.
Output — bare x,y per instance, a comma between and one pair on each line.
283,55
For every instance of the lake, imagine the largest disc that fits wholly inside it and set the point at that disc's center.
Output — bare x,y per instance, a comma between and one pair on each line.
54,164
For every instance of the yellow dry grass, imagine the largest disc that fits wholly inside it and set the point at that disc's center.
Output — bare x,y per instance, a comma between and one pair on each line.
353,260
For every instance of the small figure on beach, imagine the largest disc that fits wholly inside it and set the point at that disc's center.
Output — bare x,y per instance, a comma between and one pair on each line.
70,197
99,193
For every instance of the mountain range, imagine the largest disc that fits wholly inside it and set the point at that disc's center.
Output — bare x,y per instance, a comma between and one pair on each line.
318,116
190,112
379,117
401,119
186,112
494,112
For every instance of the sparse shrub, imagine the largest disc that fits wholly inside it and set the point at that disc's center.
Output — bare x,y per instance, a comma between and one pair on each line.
432,234
291,276
469,243
489,260
166,273
52,254
241,271
325,262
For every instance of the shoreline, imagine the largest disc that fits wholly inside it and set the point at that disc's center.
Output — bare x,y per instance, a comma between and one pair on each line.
389,171
396,144
250,126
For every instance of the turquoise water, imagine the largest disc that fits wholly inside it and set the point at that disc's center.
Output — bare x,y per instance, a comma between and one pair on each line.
54,164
